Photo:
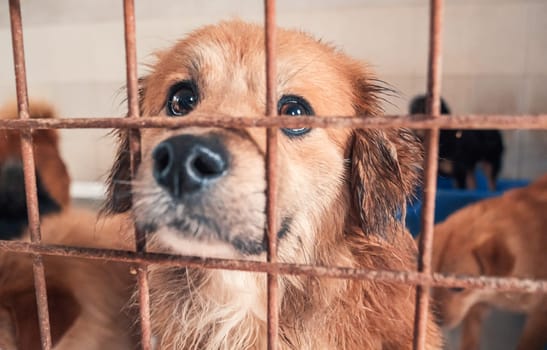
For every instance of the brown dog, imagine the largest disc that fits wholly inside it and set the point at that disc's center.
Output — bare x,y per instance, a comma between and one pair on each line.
201,191
53,181
502,236
86,298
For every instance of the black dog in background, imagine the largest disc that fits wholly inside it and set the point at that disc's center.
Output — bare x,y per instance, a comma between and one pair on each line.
461,151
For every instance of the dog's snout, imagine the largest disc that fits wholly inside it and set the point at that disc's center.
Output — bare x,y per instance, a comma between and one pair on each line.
187,163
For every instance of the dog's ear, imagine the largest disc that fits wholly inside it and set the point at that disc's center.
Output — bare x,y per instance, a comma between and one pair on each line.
494,257
118,190
49,163
385,166
37,110
44,110
53,172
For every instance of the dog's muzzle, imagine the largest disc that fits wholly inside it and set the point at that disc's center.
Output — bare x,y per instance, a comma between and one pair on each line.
188,164
199,207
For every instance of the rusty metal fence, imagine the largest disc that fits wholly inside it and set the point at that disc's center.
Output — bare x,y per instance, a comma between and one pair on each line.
423,278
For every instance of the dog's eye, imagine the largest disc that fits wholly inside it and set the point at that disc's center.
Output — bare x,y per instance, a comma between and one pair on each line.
294,106
183,98
456,289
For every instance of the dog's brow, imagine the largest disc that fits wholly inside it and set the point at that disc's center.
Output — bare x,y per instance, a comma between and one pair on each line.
299,70
194,65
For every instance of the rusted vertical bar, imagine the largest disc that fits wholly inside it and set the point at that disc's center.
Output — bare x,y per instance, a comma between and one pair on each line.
134,144
131,58
271,162
431,164
29,171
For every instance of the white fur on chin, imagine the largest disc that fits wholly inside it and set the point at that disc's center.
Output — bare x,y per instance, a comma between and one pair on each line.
174,240
234,301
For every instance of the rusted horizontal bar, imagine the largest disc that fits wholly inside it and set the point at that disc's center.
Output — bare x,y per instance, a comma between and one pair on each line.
415,121
405,277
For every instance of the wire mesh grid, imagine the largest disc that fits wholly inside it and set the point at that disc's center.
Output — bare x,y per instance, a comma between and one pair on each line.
423,278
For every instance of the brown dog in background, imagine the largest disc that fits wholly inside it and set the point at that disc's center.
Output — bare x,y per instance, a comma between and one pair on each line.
53,181
505,237
201,191
86,298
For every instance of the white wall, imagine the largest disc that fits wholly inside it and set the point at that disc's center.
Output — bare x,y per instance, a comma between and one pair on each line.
494,57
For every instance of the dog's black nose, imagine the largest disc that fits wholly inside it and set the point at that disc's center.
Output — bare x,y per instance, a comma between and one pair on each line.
187,163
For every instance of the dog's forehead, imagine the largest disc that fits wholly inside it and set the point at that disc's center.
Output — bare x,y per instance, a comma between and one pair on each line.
230,58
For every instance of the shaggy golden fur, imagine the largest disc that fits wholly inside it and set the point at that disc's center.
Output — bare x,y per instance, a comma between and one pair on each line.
86,298
502,236
339,194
